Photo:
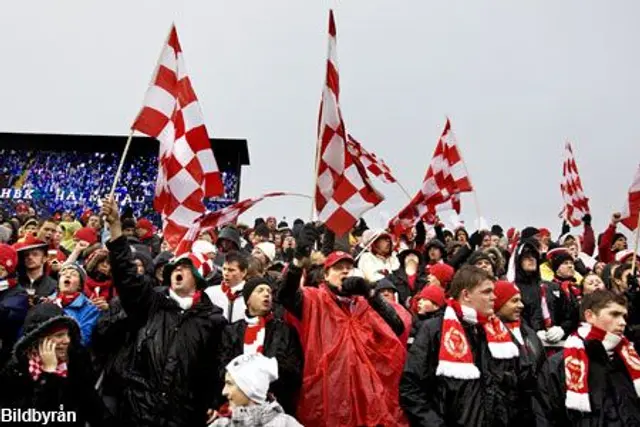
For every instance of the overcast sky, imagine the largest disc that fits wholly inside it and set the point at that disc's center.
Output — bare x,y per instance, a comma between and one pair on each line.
516,78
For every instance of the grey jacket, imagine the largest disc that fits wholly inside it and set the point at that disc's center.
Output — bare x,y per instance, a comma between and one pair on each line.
265,415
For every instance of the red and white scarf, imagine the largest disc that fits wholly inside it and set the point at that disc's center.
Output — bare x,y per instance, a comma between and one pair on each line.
35,367
7,284
546,315
228,291
576,363
185,303
255,333
455,359
63,300
514,327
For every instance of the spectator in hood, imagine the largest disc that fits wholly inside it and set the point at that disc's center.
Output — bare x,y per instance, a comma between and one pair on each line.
271,223
483,260
75,304
342,310
434,252
51,371
378,260
389,292
455,374
13,302
611,242
31,272
508,307
143,261
159,263
410,277
173,374
525,273
498,260
228,241
247,381
260,332
145,231
591,383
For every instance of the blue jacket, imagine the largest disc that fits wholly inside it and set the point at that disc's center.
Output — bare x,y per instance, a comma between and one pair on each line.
85,313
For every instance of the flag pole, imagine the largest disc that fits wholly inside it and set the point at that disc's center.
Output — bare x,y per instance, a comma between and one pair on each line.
404,190
635,248
315,182
119,171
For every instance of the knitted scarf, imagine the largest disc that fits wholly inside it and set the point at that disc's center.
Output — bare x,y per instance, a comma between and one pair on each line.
35,367
455,358
576,363
255,333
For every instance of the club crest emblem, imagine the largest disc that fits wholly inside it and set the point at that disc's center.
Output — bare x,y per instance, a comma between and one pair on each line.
575,372
456,343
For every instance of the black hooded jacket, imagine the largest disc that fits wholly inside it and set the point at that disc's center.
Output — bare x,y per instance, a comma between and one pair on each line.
438,401
172,376
281,341
614,402
529,284
51,392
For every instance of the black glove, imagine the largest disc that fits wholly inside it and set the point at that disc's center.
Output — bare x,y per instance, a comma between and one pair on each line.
476,239
305,241
355,286
586,219
632,282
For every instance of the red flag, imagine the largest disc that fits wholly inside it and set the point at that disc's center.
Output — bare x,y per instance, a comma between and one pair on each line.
374,165
632,206
343,190
445,179
228,215
576,204
187,169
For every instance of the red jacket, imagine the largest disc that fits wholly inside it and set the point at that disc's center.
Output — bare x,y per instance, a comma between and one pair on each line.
605,254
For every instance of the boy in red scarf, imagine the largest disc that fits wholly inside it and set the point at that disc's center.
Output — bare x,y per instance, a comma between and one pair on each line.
595,380
463,369
349,334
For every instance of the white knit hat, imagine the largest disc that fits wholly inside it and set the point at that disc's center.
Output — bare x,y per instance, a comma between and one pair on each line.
268,249
253,373
203,247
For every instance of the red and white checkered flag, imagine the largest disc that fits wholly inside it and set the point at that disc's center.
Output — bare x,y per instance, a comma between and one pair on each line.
187,168
375,165
576,204
632,206
228,215
445,179
343,191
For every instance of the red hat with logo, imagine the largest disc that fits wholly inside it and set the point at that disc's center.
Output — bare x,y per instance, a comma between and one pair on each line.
336,257
8,258
504,291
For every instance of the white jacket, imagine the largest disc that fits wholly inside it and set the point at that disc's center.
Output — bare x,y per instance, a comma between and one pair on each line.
374,267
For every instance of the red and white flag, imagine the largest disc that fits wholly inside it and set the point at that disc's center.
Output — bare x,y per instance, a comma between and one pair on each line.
343,190
187,168
576,204
220,218
374,165
445,179
631,208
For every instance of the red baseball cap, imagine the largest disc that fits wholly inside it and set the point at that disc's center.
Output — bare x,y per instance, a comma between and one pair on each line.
336,257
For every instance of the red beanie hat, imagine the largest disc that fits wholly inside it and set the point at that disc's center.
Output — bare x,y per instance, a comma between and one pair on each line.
87,234
504,292
8,258
433,293
144,223
443,272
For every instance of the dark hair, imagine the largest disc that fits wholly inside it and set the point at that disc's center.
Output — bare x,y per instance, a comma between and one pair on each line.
621,269
43,221
467,277
599,300
238,258
255,268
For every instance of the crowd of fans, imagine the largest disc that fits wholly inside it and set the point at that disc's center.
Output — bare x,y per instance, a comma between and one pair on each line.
279,324
69,181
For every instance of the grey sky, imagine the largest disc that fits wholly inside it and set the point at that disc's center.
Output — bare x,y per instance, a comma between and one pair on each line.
516,78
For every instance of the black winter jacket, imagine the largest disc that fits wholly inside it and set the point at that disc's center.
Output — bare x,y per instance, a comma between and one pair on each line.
13,309
613,399
281,341
50,392
401,282
532,358
438,401
172,375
